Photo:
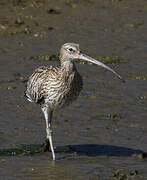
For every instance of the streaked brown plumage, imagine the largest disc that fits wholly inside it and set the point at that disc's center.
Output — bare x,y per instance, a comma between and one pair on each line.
49,85
55,87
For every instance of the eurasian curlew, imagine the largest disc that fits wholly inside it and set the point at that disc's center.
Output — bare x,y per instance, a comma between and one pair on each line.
55,87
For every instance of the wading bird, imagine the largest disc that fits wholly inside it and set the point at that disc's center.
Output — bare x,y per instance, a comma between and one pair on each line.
56,87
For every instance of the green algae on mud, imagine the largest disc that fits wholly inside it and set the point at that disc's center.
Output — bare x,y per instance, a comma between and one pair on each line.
32,149
137,77
17,77
113,116
23,150
104,59
44,57
111,59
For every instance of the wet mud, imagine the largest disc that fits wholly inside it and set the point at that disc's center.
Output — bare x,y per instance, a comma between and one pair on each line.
102,135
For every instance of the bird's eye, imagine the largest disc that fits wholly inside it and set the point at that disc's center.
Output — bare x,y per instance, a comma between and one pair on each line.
70,49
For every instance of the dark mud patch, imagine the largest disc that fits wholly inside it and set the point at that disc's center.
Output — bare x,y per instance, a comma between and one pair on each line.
93,150
122,174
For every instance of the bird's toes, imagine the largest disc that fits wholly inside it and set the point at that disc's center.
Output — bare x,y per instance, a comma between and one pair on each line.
45,146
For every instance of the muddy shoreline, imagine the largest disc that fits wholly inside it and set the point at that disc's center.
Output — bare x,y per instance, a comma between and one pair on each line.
103,135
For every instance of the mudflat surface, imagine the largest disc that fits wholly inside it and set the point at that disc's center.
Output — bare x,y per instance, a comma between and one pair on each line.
102,135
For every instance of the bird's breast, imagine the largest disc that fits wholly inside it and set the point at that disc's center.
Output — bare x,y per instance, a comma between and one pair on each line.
65,90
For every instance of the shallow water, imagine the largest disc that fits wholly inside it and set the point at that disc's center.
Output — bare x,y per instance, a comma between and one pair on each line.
102,135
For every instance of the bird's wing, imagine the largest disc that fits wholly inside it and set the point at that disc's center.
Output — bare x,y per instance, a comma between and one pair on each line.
33,92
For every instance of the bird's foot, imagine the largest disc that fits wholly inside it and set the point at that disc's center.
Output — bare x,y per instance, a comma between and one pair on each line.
45,146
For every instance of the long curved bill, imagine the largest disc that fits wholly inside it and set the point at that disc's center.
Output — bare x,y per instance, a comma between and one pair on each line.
89,59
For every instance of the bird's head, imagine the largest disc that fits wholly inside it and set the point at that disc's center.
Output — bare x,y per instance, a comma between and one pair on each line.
71,51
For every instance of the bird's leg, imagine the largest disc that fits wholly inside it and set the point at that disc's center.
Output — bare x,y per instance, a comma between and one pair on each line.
49,134
48,129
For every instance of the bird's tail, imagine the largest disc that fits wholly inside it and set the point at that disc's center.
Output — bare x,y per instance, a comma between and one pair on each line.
28,96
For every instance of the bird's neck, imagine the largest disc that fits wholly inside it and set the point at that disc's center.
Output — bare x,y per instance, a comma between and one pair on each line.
68,66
